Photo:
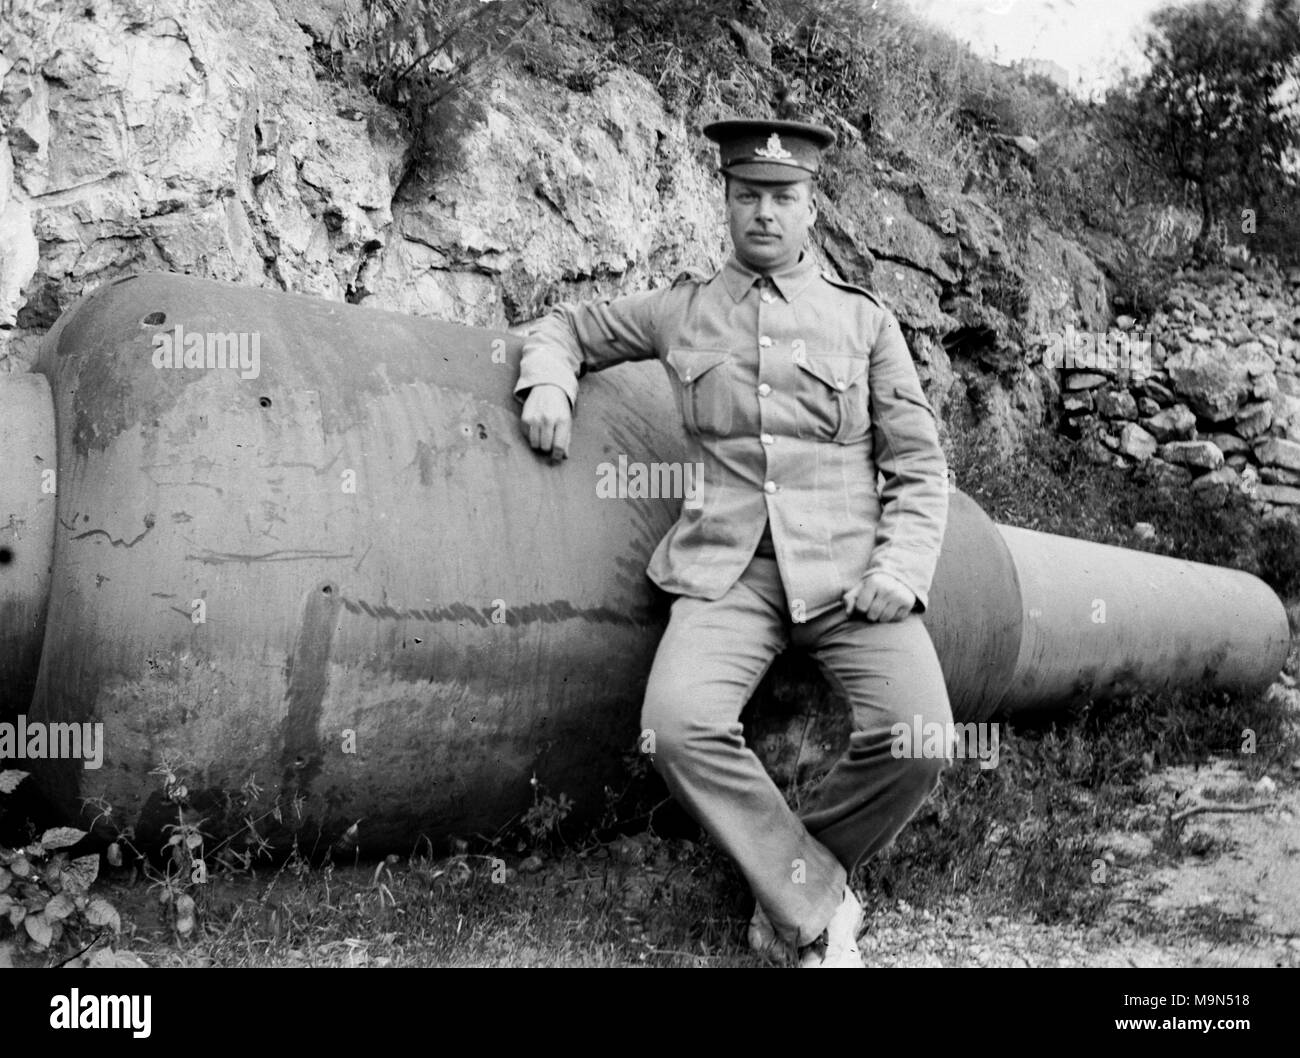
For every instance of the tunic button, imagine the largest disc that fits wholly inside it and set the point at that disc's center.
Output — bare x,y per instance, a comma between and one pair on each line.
767,296
764,389
767,438
769,487
799,356
765,341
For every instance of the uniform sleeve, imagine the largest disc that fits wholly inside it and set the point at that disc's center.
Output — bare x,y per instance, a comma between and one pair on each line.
591,336
914,494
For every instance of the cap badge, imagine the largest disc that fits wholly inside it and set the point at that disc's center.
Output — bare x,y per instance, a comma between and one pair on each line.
773,149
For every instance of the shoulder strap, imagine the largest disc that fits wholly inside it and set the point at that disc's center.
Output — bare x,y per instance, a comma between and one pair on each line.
690,275
844,284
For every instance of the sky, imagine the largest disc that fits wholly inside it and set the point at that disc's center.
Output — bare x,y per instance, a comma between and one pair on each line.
1090,38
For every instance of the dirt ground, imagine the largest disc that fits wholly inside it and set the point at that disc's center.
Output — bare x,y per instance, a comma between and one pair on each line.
1234,902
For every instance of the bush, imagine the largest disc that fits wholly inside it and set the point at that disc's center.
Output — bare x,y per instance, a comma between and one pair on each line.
416,55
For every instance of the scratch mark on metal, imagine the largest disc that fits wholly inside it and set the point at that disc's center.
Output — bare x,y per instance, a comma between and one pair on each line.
149,521
320,471
547,613
279,555
357,567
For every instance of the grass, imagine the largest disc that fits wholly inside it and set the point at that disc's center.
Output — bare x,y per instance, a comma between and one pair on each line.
651,902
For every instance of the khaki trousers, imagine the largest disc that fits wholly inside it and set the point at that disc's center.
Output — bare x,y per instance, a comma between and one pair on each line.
709,662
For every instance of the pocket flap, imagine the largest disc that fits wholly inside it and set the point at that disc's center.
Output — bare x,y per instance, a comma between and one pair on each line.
692,364
837,371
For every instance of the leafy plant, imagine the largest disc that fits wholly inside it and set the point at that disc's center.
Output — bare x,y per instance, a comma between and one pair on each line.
190,853
542,820
45,891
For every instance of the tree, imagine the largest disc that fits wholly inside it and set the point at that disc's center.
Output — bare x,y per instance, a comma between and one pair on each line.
1219,109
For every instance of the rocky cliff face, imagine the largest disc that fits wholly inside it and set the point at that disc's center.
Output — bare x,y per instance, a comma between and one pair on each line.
209,138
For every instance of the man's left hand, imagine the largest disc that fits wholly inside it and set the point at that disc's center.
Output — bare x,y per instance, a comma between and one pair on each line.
879,597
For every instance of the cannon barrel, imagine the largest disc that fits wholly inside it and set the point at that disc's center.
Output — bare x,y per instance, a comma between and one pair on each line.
337,569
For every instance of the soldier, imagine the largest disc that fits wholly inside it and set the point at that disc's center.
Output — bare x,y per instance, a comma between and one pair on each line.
795,389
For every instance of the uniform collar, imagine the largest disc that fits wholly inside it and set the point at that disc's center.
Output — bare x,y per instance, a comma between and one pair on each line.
789,282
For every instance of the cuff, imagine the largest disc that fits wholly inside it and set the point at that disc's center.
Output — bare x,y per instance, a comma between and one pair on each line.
921,597
570,387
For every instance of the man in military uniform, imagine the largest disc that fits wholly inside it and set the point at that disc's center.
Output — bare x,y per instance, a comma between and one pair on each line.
795,390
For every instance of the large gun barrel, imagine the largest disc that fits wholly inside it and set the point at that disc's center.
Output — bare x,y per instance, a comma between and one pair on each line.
264,536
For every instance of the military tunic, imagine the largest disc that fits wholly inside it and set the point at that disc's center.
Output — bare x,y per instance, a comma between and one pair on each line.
795,390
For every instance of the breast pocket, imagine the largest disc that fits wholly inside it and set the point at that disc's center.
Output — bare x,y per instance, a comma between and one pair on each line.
703,387
833,396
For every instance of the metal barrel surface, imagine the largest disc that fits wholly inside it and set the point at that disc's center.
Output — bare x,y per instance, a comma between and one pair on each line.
337,569
1101,621
27,506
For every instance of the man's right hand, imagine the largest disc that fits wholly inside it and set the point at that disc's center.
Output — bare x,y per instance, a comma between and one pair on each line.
548,420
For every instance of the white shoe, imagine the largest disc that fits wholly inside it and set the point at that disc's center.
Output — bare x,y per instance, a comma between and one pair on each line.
837,947
763,937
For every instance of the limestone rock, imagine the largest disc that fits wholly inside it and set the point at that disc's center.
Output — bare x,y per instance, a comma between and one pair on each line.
1228,443
1173,424
1286,417
1253,420
1213,489
1117,404
1200,454
1077,403
189,137
1084,380
1279,476
1283,495
1279,453
1161,394
1136,443
1214,380
19,256
1060,282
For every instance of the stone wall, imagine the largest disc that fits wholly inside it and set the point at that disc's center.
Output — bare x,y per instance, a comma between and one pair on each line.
1206,396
